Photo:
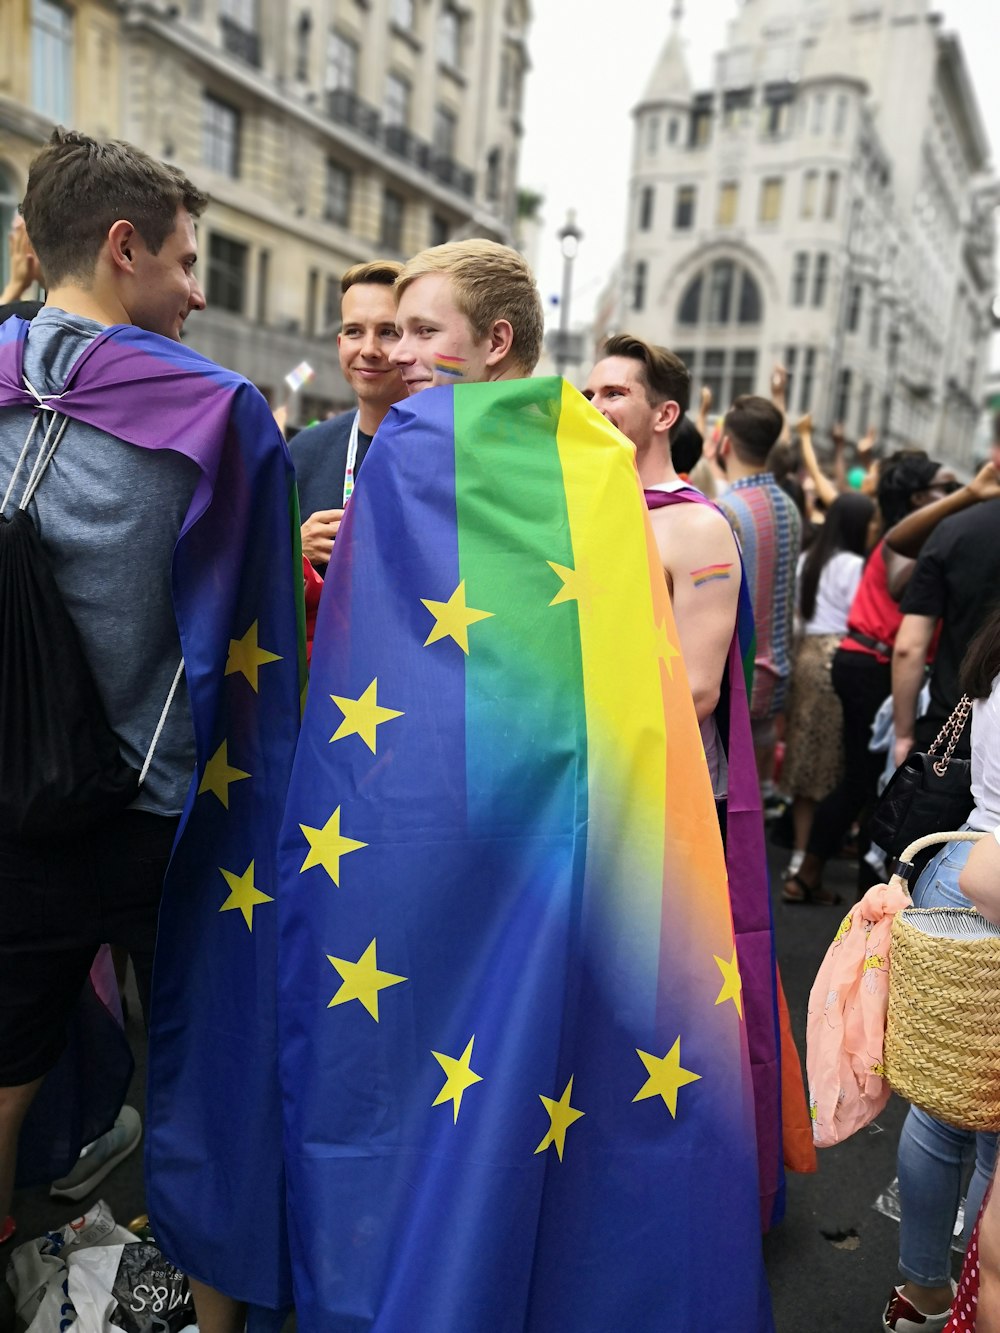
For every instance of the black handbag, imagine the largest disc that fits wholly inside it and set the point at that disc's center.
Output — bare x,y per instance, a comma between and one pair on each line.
928,792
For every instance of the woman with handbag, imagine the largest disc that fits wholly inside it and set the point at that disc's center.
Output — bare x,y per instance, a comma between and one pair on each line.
931,1154
862,672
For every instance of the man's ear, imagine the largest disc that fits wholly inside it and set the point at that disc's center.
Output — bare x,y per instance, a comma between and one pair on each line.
501,337
121,245
667,415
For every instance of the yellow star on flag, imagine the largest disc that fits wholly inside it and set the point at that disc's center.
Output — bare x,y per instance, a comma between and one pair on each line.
561,1116
362,980
246,656
665,650
218,775
327,845
362,716
243,894
578,584
453,618
732,982
460,1076
665,1077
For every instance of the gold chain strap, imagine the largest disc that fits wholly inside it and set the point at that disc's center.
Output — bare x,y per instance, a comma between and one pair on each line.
952,731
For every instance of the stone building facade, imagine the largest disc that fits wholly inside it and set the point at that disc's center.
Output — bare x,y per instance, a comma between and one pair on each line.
325,131
828,203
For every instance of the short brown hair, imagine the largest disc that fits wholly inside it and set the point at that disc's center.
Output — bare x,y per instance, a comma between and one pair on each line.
78,188
753,424
490,281
664,376
382,272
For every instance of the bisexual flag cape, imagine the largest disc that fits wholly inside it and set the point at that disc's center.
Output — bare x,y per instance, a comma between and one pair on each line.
750,896
213,1133
513,1055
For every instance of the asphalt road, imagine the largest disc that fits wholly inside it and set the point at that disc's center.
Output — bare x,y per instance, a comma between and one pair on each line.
831,1263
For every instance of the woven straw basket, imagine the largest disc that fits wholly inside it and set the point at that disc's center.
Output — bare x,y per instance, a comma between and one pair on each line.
942,1040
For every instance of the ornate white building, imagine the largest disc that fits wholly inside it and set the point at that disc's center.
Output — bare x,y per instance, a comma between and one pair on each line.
827,203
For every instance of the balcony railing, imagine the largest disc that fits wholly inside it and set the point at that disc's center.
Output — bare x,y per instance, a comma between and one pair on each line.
240,42
347,108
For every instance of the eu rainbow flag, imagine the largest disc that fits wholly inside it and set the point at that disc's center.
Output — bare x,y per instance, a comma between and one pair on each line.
215,1181
513,1058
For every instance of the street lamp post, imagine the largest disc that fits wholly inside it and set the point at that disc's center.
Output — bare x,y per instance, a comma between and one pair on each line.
570,236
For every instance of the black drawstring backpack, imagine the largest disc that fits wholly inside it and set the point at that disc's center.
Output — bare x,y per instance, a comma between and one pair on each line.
61,766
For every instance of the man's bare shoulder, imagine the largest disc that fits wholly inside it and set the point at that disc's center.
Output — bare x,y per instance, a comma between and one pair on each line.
704,524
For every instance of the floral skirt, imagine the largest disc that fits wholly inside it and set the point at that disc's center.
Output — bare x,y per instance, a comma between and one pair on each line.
814,731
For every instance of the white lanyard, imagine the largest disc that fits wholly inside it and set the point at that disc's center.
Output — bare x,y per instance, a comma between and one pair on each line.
352,458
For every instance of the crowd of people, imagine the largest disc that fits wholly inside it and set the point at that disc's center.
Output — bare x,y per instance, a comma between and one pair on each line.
823,617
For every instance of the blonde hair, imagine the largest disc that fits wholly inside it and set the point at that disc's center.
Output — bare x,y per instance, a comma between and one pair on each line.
490,282
382,272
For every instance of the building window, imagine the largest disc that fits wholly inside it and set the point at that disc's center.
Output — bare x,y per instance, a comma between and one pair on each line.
341,64
397,102
749,309
820,275
778,106
843,407
8,211
690,307
819,113
673,129
713,373
263,282
449,37
220,129
393,208
401,13
865,408
800,278
790,362
684,202
440,230
770,199
700,130
729,195
808,377
744,372
227,273
303,33
854,308
722,280
445,131
652,134
736,104
312,299
840,117
646,208
831,196
720,291
810,187
331,304
639,275
494,166
52,60
875,332
337,194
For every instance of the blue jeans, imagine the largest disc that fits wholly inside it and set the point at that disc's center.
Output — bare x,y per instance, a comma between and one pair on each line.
932,1156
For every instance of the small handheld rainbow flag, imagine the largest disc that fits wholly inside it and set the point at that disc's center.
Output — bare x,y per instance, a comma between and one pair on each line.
514,1062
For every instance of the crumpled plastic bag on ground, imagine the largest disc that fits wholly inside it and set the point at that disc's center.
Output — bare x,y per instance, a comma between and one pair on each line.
845,1028
94,1276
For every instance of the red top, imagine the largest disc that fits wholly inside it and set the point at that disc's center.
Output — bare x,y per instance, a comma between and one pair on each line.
873,611
314,589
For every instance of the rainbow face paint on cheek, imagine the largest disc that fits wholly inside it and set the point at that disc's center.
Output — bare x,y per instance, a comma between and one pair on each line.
711,574
451,366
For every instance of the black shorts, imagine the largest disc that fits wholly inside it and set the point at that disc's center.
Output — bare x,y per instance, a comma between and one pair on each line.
59,902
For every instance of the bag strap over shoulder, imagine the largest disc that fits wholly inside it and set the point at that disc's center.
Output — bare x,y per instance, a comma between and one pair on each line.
951,732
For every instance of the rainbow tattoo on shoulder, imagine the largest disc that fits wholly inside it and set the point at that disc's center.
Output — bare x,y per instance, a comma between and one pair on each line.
711,574
453,366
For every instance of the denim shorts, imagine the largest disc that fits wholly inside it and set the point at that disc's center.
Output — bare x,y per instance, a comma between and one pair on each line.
937,885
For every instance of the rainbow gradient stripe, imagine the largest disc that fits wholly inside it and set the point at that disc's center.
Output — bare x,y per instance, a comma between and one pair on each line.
711,574
536,856
453,366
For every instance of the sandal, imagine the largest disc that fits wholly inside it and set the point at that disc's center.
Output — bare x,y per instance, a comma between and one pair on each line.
808,893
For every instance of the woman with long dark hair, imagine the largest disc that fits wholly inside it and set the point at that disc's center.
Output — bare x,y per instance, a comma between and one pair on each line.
932,1155
828,576
862,674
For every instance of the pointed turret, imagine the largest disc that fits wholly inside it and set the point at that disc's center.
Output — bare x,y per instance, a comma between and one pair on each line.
670,81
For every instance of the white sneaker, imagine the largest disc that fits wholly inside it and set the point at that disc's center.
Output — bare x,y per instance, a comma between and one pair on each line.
101,1157
900,1316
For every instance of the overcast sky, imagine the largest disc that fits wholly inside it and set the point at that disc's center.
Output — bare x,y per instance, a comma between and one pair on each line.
587,75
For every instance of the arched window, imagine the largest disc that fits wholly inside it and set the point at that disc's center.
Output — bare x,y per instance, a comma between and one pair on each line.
8,209
720,312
